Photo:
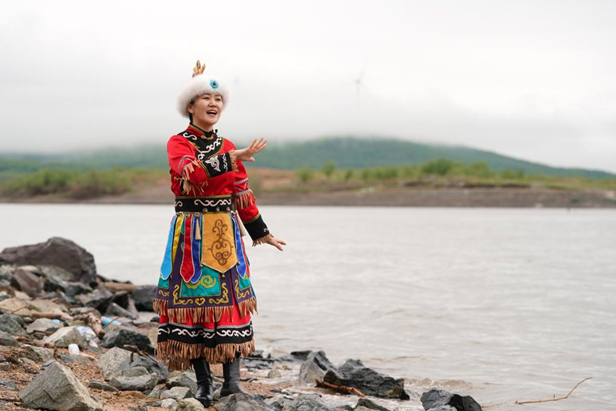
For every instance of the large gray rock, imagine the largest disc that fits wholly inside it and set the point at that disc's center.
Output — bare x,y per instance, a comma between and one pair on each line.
65,336
134,379
41,354
242,402
44,325
156,367
58,252
71,289
436,399
114,360
309,403
27,282
99,299
354,374
118,359
120,336
369,404
190,404
114,310
7,339
185,379
143,296
97,385
315,367
57,388
176,393
12,324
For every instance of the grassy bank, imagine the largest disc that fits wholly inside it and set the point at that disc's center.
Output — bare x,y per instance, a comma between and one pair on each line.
76,184
441,173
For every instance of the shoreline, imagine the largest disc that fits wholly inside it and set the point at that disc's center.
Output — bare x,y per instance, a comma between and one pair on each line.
375,196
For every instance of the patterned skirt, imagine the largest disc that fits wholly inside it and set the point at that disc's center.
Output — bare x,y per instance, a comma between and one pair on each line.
204,296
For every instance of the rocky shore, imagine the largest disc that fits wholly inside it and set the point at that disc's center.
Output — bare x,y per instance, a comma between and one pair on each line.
71,339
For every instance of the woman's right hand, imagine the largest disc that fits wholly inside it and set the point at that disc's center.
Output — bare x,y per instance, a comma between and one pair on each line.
246,154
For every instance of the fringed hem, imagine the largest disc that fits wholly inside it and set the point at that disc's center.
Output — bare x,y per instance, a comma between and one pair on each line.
248,306
243,199
179,354
160,306
202,314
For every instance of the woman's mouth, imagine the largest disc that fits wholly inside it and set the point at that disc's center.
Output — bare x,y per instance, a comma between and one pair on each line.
212,112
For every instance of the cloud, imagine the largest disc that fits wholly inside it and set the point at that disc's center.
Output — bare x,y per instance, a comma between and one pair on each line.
516,78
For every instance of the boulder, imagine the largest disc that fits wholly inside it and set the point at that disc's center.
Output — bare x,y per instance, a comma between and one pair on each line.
354,374
120,336
26,307
9,384
156,391
301,355
242,402
44,325
121,298
71,289
97,385
134,379
308,403
58,252
114,310
176,393
315,367
191,404
57,388
99,299
435,400
143,296
274,373
8,340
27,282
12,324
117,359
65,336
369,404
114,360
153,366
185,379
39,353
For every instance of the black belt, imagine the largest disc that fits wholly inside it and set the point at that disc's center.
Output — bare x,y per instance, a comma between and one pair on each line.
218,204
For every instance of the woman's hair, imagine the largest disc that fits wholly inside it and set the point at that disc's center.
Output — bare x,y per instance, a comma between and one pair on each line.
192,101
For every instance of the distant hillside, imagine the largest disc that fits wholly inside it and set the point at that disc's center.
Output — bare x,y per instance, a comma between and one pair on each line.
346,152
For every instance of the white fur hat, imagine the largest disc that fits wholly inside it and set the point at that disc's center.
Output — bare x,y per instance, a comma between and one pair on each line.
201,84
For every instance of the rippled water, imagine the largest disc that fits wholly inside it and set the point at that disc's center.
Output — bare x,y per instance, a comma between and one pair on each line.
502,304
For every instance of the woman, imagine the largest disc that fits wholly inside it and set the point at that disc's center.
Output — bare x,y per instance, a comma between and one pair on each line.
204,295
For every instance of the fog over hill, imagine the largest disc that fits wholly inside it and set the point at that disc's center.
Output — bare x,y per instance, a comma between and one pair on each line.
345,152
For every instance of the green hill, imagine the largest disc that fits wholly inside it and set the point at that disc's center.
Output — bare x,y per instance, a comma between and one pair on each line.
345,152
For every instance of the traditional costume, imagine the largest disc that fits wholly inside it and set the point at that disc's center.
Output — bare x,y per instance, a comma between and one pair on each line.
204,296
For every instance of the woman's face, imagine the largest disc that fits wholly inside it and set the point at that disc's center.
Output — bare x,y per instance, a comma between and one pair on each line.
206,110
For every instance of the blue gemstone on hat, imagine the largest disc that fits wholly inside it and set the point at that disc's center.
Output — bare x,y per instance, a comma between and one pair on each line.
214,84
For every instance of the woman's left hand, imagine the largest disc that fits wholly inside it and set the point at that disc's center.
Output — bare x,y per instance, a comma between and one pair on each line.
271,240
246,154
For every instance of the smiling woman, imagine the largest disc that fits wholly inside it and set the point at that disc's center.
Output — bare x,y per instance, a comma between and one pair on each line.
204,295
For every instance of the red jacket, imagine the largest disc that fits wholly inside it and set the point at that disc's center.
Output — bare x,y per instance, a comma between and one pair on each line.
202,166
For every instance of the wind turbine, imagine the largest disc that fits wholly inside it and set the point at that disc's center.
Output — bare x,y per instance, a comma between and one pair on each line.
359,84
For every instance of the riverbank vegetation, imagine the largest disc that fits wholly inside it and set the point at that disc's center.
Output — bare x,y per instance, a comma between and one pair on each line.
77,184
444,173
84,184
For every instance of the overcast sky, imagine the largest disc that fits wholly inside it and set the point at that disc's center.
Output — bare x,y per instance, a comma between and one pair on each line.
529,79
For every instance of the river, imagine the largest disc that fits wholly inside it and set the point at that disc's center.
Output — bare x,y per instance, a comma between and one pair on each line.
501,304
